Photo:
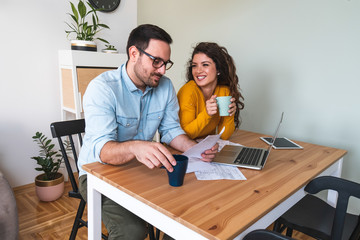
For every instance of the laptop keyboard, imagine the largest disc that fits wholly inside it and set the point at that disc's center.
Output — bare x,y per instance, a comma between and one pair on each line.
249,156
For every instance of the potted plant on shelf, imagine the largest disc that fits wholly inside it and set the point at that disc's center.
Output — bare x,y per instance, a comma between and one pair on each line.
85,32
110,49
50,184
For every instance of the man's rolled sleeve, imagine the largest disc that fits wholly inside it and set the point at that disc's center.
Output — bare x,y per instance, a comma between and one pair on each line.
170,135
170,125
101,126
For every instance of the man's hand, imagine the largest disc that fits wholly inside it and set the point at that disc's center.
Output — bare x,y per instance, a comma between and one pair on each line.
153,154
182,143
209,154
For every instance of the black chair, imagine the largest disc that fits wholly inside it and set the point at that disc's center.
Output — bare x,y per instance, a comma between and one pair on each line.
263,234
65,131
314,217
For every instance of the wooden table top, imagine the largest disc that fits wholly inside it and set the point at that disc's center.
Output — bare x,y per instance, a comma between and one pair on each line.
222,209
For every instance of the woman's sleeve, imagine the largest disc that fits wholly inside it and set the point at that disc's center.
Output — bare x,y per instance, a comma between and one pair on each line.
228,123
190,123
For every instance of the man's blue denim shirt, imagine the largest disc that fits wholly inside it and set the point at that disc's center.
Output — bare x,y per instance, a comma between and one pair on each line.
116,110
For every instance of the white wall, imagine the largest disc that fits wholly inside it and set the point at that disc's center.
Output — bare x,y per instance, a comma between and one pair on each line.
32,32
297,56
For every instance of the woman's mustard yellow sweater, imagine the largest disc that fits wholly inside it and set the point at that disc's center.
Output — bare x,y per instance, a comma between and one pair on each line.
193,116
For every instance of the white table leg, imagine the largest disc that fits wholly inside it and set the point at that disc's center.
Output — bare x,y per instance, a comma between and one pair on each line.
98,187
333,195
94,209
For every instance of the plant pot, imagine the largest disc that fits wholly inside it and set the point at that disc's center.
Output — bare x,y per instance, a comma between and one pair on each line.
83,45
109,51
51,190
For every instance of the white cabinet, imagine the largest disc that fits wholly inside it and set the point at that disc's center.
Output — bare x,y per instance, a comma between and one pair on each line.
77,69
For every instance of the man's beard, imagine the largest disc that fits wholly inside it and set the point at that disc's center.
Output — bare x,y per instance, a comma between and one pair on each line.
150,81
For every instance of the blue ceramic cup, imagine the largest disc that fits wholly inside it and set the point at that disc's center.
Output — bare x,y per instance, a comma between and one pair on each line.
176,177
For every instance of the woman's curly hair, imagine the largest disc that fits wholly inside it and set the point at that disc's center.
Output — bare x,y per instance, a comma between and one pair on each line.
226,67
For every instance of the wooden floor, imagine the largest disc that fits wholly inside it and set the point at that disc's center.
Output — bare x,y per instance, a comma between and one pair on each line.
46,220
54,220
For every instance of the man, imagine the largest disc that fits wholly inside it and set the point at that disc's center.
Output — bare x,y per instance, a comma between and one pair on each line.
123,109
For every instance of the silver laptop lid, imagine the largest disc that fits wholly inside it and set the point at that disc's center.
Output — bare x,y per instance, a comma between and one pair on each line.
276,132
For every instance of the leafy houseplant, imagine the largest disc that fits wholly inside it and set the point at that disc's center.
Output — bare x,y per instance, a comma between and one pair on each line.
50,184
110,49
84,30
48,158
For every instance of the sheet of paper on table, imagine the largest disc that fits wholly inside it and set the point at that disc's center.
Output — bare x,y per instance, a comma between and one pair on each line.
212,171
220,172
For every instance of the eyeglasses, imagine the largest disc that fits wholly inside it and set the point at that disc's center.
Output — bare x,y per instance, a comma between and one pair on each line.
158,62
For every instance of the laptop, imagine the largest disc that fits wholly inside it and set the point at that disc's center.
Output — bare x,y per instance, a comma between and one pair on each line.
246,157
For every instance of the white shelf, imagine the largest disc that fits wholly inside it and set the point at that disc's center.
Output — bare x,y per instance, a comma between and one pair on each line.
72,67
90,59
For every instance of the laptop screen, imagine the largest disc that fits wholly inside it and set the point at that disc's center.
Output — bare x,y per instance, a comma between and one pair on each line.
276,132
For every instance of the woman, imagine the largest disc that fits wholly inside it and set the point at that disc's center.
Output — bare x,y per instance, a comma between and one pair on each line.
211,73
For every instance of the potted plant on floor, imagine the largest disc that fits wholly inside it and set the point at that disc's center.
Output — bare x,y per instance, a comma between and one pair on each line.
85,32
50,184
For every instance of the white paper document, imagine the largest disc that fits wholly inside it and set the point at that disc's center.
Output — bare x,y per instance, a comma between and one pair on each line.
205,144
220,172
196,164
222,143
211,171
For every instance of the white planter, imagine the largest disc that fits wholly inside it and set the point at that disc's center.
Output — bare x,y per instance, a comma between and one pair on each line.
83,45
109,51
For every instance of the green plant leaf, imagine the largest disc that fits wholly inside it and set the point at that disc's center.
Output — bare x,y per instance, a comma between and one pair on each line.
47,142
50,154
75,12
74,18
94,22
82,9
50,147
67,31
103,40
103,25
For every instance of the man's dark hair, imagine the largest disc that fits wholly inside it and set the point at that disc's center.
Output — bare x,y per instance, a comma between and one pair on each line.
141,36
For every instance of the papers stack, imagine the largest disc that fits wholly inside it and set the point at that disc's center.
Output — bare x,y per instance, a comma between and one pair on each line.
211,171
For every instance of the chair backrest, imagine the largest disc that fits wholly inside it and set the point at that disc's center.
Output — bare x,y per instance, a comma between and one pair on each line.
345,190
67,130
263,234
